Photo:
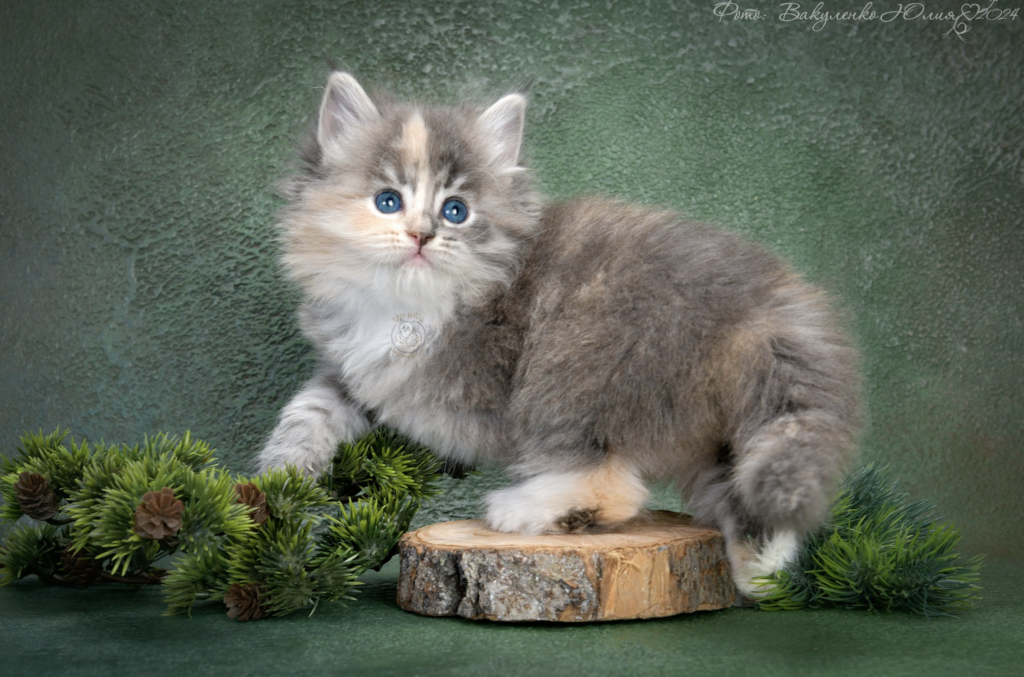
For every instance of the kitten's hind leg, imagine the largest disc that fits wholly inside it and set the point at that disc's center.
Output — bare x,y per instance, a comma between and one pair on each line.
751,559
754,549
312,424
568,501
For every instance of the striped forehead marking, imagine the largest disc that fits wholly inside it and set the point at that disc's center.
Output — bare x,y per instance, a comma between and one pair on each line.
415,140
415,154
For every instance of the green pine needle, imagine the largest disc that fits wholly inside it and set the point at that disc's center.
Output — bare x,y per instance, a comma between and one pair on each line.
29,549
33,446
278,557
47,456
195,577
370,530
385,465
291,494
212,514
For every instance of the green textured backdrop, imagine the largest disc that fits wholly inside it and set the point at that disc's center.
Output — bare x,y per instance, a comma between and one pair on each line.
140,143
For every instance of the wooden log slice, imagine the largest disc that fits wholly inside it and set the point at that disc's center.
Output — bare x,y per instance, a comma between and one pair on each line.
652,566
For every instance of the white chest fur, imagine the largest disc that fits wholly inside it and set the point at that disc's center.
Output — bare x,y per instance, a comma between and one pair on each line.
375,346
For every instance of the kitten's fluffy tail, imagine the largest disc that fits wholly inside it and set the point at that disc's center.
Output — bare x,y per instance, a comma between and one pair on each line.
787,472
797,425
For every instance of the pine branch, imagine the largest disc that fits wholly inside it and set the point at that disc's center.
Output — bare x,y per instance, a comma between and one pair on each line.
268,545
879,551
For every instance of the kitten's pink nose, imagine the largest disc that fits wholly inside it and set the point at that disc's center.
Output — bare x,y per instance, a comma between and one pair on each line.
421,238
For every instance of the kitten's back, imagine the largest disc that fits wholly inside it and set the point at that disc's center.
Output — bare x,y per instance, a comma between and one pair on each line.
668,337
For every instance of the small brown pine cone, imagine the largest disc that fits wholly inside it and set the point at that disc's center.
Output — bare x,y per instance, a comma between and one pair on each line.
79,568
159,515
35,496
250,495
243,602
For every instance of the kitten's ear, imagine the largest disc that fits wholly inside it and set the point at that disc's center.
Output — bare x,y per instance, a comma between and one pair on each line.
503,124
345,106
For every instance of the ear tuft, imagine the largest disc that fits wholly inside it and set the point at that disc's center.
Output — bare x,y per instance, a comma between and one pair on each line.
503,124
345,106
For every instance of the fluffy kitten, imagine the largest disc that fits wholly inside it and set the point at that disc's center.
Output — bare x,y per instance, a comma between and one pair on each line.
587,346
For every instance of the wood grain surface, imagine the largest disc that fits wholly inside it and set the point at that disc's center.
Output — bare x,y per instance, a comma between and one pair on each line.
652,566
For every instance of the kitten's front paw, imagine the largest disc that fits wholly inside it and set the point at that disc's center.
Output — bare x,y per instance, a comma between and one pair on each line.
311,462
516,510
567,503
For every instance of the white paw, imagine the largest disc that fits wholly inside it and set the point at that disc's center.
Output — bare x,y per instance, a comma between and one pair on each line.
310,462
783,548
521,509
568,502
310,427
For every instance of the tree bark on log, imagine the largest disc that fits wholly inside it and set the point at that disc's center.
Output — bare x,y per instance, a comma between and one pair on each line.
652,566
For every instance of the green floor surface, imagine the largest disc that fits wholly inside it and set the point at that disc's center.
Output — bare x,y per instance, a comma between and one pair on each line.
117,631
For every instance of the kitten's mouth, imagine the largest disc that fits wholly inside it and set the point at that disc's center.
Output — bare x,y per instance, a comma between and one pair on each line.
419,258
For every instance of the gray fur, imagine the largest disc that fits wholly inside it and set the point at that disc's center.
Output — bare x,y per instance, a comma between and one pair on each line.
557,337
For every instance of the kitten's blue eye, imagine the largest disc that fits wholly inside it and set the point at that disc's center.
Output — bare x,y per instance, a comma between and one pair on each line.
454,211
389,202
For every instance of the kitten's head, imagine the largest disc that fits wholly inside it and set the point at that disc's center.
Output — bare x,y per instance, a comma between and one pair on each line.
420,203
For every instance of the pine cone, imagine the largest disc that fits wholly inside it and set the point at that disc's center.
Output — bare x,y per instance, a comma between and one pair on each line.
243,602
250,495
159,515
79,568
35,496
